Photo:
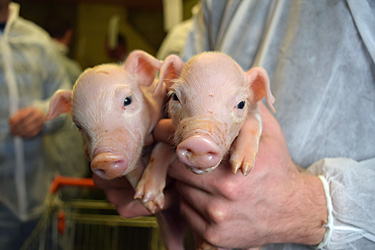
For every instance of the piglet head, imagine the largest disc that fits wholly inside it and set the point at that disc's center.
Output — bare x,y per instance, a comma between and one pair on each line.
210,98
109,105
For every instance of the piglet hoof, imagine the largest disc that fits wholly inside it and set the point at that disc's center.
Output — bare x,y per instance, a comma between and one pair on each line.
155,205
202,245
151,197
245,164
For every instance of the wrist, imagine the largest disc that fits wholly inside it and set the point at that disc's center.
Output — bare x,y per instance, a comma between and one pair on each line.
311,214
302,215
329,224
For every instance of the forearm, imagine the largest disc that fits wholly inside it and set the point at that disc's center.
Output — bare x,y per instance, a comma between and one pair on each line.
303,219
351,192
308,212
301,213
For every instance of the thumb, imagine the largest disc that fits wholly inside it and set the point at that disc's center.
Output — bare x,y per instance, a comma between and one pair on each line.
164,131
270,124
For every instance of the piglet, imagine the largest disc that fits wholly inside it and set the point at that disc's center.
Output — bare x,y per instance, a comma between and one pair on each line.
116,109
213,105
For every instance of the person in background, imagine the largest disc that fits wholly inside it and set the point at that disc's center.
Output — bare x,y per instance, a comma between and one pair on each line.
119,52
174,42
320,56
66,141
61,30
29,75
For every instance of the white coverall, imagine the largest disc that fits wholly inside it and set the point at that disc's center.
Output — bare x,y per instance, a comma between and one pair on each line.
67,141
29,76
320,56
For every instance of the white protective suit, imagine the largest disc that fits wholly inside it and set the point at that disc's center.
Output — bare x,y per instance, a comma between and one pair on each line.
29,76
320,56
73,69
67,141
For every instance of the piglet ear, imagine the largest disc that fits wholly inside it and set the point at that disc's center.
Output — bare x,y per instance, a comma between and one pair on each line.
61,102
143,66
259,83
170,70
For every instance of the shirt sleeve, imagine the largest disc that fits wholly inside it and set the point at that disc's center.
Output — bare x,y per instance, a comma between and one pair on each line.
197,39
351,187
324,93
55,78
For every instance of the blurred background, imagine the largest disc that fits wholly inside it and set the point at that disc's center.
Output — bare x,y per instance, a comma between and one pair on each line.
142,23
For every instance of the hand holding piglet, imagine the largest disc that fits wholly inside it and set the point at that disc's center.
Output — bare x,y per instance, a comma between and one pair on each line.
214,107
214,110
276,203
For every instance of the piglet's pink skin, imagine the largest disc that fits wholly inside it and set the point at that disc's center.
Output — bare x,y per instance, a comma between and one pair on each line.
213,102
116,109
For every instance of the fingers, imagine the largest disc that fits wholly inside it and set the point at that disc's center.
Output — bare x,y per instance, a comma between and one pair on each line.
118,183
270,124
120,193
125,204
128,207
178,171
196,221
192,208
27,122
221,181
164,131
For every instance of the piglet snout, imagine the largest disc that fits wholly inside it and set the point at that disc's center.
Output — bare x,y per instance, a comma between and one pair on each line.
109,165
199,154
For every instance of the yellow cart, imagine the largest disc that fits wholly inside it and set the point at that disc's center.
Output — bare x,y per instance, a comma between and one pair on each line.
80,224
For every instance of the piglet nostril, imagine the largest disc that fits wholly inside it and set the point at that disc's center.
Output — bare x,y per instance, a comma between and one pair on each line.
109,165
200,152
186,153
100,172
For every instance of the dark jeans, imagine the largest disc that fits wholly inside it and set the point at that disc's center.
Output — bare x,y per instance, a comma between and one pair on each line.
13,232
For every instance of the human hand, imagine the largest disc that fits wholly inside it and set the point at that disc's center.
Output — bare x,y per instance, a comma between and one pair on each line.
26,122
274,203
171,225
120,193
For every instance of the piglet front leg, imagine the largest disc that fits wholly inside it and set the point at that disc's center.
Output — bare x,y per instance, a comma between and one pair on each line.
151,185
203,245
245,147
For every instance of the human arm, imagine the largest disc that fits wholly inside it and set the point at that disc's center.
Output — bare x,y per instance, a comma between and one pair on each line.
228,210
28,122
55,78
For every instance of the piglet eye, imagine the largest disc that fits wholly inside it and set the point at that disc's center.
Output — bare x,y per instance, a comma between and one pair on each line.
128,100
175,97
77,125
241,105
